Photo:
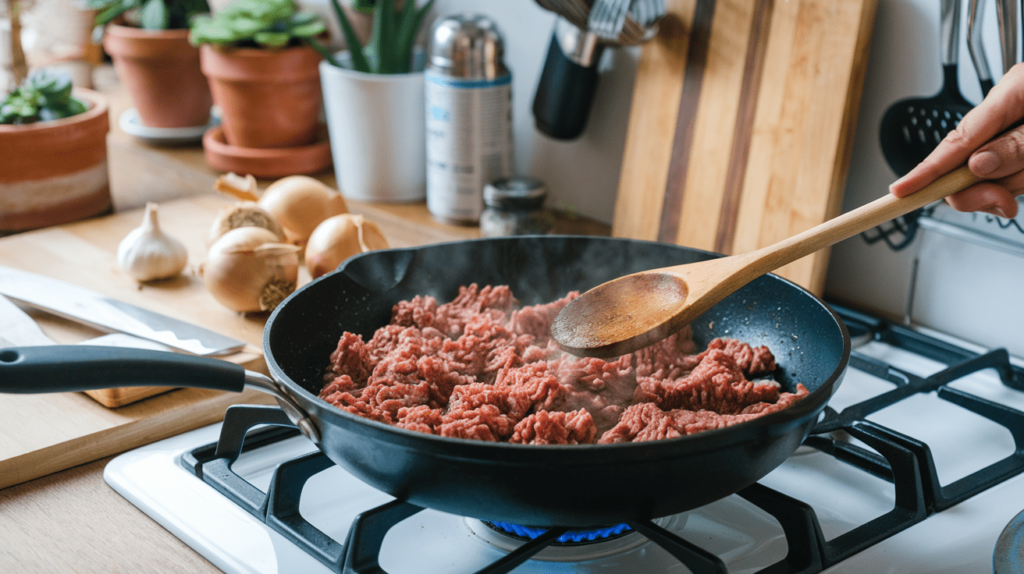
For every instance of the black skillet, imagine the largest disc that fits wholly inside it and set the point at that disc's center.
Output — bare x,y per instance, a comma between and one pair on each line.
572,486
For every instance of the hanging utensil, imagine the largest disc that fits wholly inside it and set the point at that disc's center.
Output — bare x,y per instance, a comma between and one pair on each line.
568,81
975,47
607,17
1006,15
913,127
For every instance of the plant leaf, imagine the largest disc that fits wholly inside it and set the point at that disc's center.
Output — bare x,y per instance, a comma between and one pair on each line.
382,37
409,25
246,27
272,39
323,52
154,15
308,30
355,49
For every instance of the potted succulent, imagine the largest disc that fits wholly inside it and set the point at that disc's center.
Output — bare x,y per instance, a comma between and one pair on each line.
148,42
262,71
373,100
53,152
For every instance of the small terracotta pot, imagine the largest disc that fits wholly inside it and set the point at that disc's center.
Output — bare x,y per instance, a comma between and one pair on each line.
161,71
55,172
268,98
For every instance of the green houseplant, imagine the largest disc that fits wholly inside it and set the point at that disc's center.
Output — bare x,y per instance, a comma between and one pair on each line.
43,96
53,146
263,73
373,99
148,42
392,40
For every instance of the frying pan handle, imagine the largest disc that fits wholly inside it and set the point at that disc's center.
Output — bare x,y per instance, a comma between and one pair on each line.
64,368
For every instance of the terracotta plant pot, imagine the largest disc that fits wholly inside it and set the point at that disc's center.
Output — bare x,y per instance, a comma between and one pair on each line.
55,172
268,98
161,71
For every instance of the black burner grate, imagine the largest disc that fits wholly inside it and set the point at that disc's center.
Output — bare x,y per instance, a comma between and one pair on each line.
902,460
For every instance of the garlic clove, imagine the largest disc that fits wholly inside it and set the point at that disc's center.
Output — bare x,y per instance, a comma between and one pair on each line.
243,214
149,254
248,270
299,203
338,238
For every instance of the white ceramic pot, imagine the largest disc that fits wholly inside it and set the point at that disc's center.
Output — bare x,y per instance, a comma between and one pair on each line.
376,125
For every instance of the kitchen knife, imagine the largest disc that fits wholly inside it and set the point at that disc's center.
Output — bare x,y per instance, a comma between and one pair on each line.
102,312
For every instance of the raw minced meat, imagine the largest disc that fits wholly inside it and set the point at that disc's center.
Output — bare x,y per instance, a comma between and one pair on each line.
479,368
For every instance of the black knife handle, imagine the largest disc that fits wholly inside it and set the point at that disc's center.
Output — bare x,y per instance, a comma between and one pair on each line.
66,368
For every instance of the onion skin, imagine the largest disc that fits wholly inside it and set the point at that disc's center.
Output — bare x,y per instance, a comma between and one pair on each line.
338,238
299,203
243,214
248,270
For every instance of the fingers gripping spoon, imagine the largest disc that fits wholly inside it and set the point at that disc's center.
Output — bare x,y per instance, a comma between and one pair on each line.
913,127
634,311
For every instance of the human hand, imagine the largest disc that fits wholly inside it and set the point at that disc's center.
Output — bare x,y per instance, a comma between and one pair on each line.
1000,161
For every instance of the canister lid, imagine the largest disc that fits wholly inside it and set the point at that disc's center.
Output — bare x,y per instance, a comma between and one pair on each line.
516,192
467,46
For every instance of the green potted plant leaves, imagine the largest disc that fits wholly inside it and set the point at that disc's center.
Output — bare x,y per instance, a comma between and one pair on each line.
264,76
53,153
373,99
148,42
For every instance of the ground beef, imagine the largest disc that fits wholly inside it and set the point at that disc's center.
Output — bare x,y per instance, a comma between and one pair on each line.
478,368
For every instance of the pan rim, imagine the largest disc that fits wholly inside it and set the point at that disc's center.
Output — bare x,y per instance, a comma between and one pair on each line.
459,448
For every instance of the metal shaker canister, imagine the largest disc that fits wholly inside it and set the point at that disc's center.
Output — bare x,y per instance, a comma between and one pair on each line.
468,92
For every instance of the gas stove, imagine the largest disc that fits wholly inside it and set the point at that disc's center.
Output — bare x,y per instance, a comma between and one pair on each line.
915,466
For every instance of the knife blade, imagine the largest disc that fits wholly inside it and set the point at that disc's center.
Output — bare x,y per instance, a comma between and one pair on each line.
106,314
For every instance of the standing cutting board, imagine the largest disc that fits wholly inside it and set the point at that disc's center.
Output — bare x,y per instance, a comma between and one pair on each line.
741,124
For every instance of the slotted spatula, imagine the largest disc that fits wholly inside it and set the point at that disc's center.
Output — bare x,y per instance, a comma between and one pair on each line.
913,127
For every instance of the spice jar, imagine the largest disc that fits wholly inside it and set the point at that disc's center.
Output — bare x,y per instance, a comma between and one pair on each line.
514,206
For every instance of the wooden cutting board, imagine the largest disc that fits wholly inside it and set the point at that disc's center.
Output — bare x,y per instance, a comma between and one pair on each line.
741,124
41,434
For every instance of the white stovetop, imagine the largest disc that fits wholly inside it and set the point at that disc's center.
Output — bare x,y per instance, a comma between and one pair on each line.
960,539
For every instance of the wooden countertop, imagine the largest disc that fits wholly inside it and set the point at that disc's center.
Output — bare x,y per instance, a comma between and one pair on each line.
71,521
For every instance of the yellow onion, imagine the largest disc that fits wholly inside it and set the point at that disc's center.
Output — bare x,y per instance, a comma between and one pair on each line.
248,270
299,203
243,214
338,238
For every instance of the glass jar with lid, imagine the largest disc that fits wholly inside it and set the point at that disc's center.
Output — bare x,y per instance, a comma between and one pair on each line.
515,206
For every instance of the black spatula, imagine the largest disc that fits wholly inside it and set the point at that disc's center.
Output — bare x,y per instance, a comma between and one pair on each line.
913,127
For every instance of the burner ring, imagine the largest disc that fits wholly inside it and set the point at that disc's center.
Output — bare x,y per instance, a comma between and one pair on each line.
621,543
570,538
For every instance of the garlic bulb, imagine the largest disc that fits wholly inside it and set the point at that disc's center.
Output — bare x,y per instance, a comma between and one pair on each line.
249,270
147,253
299,203
243,214
338,238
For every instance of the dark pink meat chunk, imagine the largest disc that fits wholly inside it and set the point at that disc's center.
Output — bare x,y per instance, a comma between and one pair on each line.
556,427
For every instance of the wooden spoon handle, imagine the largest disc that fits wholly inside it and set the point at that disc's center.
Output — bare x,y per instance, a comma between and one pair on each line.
861,219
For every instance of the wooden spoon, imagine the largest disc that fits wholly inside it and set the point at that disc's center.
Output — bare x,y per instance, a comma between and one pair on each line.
632,312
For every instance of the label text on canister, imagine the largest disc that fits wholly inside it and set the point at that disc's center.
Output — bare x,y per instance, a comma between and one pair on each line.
469,142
